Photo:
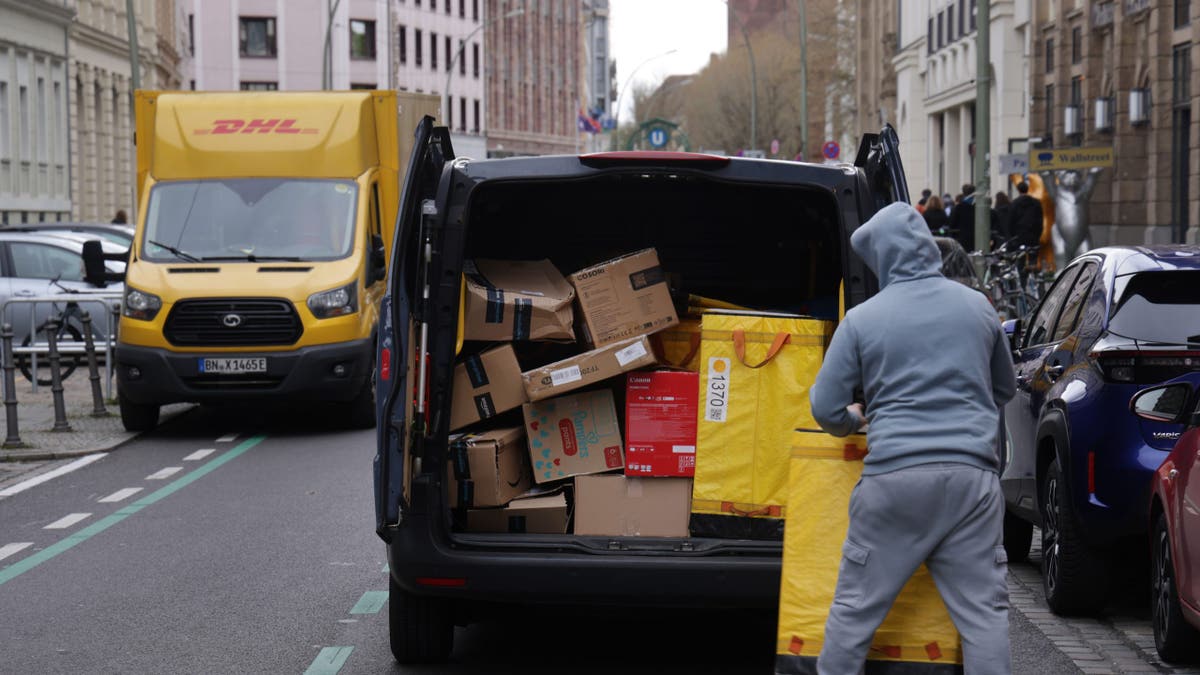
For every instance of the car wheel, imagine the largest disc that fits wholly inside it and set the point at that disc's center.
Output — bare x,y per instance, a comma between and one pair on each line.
1073,575
136,416
421,629
1177,641
1018,538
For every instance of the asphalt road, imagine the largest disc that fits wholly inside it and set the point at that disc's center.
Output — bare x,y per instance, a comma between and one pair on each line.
260,557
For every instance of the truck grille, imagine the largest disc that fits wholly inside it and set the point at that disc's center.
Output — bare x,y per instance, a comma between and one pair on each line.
233,322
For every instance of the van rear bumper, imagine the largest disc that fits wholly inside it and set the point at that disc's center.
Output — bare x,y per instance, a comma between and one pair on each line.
304,374
425,564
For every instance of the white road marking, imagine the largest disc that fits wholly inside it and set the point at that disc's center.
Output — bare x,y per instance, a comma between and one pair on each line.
9,549
228,438
121,494
67,521
50,475
199,455
164,473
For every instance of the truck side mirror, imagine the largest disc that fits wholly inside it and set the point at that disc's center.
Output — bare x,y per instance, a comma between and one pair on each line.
376,261
94,271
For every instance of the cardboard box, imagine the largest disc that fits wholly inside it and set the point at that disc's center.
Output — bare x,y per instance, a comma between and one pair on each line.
624,298
542,514
486,385
573,435
489,468
660,423
588,368
517,300
614,505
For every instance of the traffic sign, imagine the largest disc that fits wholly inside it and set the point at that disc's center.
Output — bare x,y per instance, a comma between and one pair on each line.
831,150
1070,158
658,137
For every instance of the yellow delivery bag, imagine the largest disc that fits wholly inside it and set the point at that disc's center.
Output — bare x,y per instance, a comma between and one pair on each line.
755,373
679,345
917,636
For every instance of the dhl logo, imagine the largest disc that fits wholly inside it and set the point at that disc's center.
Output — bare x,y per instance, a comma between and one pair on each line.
255,126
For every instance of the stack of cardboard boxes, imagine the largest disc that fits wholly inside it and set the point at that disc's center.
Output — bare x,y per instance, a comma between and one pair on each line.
568,462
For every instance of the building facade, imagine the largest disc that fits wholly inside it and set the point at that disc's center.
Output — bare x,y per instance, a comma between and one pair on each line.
103,165
34,155
600,88
535,75
438,48
935,90
1123,74
877,40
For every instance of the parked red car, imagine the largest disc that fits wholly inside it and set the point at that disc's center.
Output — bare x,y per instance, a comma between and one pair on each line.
1175,520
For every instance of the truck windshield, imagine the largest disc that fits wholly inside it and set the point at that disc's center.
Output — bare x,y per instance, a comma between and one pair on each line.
251,219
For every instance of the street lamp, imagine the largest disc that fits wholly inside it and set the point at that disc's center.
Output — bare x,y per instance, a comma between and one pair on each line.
753,78
621,94
327,55
462,46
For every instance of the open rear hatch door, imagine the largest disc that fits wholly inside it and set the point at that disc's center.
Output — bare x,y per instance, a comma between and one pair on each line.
879,158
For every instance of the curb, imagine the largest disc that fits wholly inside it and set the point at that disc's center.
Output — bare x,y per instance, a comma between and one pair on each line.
17,455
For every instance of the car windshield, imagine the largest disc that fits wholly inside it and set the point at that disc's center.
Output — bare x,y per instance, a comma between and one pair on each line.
1158,307
250,219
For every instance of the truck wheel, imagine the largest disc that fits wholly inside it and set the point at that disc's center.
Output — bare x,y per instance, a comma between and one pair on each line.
421,629
1018,538
136,416
1174,638
1073,575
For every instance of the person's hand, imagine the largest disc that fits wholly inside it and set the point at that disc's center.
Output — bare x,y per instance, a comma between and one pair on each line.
857,412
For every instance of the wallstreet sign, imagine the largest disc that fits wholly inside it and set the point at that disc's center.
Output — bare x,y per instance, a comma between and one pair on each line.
1069,158
1014,163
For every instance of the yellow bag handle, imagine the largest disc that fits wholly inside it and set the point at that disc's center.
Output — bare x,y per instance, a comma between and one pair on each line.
739,347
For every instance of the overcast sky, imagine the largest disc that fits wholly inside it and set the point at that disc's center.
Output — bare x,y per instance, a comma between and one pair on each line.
644,29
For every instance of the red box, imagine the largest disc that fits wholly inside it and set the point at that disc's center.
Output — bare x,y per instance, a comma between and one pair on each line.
660,423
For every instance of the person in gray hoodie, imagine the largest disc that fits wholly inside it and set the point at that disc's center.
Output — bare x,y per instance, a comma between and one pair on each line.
933,364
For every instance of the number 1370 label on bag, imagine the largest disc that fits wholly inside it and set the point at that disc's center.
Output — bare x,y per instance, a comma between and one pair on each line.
716,394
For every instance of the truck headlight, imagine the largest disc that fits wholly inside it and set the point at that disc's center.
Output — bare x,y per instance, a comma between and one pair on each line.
141,305
335,302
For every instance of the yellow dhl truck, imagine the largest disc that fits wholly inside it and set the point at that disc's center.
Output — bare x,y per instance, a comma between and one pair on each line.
265,225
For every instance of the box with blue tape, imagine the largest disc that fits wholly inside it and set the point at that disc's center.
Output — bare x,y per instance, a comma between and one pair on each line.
510,300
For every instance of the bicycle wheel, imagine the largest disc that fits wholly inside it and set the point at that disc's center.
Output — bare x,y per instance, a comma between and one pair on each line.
67,363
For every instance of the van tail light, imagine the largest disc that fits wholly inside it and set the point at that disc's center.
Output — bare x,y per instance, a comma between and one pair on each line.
442,582
385,365
1145,367
1091,473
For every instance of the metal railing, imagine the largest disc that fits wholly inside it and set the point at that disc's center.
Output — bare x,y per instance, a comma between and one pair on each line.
106,304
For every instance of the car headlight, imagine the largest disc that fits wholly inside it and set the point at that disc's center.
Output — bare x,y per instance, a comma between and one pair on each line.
141,305
335,302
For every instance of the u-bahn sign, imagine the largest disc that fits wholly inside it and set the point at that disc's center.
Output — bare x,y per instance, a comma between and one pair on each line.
1049,159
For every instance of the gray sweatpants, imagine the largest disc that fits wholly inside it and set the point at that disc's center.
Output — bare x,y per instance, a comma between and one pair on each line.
948,516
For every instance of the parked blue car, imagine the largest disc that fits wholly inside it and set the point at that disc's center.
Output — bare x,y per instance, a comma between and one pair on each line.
1076,462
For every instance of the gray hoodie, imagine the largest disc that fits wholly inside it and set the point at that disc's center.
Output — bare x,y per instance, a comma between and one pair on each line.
928,353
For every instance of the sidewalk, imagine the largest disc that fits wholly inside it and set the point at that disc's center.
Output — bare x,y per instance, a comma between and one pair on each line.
88,433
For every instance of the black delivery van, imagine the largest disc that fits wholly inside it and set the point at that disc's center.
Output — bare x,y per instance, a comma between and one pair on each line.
760,233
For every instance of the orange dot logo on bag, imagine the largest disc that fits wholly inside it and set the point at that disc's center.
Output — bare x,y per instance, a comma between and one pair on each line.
716,394
255,126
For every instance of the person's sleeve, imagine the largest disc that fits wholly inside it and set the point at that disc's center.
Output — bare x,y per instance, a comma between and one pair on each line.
840,374
1004,379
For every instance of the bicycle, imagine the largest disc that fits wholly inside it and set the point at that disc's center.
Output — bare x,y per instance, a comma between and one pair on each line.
1014,295
70,332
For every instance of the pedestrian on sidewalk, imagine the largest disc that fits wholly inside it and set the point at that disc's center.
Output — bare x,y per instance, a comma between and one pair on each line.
934,367
962,219
120,218
935,217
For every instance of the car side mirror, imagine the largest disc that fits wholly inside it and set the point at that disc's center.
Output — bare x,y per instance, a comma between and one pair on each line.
1012,328
1167,403
376,261
94,271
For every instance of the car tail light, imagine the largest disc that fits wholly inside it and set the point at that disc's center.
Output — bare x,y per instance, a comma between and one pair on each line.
1145,367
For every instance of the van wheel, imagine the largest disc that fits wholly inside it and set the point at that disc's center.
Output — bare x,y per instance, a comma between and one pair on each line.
1073,575
421,629
1018,538
136,416
360,412
1174,638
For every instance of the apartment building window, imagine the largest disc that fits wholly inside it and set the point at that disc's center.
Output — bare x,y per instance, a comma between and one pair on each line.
1181,74
362,85
462,117
940,29
191,33
402,42
973,8
449,55
462,9
449,8
1076,44
362,39
475,60
449,112
433,50
1183,13
1049,120
418,50
192,85
950,24
962,17
929,37
475,128
257,36
462,58
258,86
475,10
1073,112
1181,138
433,5
1049,55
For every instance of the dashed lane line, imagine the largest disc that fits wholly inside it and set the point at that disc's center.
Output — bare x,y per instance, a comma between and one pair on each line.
9,549
199,455
163,474
24,565
329,661
370,602
50,475
67,521
120,495
228,438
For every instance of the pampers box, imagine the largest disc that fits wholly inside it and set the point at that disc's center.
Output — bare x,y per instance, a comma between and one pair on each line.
573,435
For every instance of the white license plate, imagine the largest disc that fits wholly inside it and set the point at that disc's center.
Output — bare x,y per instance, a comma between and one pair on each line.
235,366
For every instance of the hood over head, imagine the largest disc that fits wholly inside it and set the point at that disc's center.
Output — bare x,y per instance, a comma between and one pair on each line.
897,245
